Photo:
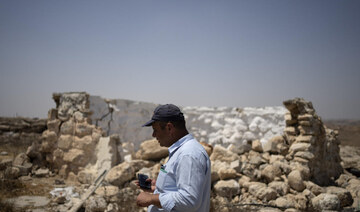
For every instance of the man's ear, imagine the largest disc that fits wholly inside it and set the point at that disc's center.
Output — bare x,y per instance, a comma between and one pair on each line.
169,126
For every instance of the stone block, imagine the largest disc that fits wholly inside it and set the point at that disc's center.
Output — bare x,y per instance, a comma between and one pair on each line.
227,188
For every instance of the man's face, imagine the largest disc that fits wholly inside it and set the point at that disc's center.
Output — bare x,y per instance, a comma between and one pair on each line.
162,135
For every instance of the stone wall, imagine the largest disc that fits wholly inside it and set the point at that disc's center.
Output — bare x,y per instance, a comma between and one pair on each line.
312,144
71,144
20,130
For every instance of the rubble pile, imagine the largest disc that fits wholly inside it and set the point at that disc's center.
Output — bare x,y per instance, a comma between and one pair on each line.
21,130
299,170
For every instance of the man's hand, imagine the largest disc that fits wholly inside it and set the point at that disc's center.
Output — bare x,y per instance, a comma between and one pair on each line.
145,199
153,185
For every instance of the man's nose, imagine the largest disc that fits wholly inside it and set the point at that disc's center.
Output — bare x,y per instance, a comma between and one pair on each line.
153,135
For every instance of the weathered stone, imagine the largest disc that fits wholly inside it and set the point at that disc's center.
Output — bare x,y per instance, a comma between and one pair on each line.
290,120
285,202
257,146
85,143
281,188
295,181
239,149
299,147
236,165
227,173
95,203
65,141
227,188
290,131
5,163
54,125
343,195
151,150
107,191
315,189
208,148
68,128
270,172
83,129
86,177
222,154
120,174
305,155
42,172
305,139
12,173
261,191
21,159
75,156
326,202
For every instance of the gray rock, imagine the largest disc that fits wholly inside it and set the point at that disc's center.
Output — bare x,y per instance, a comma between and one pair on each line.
295,181
326,202
227,188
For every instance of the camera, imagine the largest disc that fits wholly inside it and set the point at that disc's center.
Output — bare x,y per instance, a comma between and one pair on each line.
142,181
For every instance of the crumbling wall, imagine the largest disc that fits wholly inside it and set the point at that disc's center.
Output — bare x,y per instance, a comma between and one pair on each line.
69,144
311,143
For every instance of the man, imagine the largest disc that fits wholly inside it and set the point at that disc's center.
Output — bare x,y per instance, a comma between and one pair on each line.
184,182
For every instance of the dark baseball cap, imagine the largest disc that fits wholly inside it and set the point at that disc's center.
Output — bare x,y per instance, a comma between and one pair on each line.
168,112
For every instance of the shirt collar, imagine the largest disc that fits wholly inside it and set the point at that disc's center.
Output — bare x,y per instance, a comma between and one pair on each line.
175,146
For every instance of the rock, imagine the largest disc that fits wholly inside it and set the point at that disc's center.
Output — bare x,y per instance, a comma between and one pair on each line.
68,128
281,188
276,145
95,203
151,150
65,141
222,154
12,173
295,181
239,149
257,146
285,202
261,191
120,174
236,165
84,143
86,177
54,125
21,159
41,172
83,129
270,172
208,148
107,191
326,202
299,147
227,188
343,195
227,173
315,189
5,163
75,156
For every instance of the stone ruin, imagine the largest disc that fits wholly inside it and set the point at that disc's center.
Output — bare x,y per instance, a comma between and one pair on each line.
299,170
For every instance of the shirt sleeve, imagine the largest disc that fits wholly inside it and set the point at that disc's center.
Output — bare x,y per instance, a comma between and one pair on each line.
190,180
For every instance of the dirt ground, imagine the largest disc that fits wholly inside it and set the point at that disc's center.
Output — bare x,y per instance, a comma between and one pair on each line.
349,135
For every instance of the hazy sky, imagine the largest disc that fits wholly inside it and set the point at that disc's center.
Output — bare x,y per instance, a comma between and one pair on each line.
191,53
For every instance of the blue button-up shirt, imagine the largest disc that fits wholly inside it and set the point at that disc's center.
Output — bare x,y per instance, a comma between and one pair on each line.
184,182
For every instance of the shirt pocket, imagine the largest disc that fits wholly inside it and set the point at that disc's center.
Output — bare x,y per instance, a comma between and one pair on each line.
166,181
